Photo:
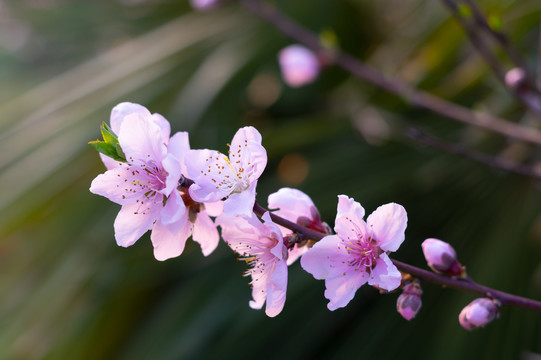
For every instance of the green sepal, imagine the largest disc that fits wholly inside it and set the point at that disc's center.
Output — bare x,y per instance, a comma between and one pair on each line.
108,134
109,146
107,150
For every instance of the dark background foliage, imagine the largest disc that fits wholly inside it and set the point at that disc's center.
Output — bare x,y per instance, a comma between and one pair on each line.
68,292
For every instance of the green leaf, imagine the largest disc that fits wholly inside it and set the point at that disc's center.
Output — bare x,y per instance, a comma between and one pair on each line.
464,10
495,21
108,150
108,134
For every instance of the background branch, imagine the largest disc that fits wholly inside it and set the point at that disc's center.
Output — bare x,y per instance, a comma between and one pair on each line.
396,86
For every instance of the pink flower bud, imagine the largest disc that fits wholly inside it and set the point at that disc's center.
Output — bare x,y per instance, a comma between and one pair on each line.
204,5
299,65
515,78
441,258
478,313
409,302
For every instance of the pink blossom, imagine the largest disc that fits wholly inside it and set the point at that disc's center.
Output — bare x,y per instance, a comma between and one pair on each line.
299,65
261,245
232,178
409,302
441,257
127,111
478,313
146,185
358,253
296,206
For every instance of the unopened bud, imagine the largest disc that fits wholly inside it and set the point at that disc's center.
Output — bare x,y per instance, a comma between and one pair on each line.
441,257
409,302
204,5
515,78
299,65
478,313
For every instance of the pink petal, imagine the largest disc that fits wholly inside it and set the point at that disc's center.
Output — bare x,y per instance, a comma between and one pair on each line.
172,166
126,109
120,184
141,140
235,230
388,224
292,203
179,146
340,288
296,253
205,233
122,110
214,208
206,187
109,162
276,289
169,240
246,152
131,223
240,203
173,210
349,223
325,258
299,65
385,274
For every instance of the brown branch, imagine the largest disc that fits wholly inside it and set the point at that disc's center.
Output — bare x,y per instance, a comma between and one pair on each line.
393,85
456,149
423,275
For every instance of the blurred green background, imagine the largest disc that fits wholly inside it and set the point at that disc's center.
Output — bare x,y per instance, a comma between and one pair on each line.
67,291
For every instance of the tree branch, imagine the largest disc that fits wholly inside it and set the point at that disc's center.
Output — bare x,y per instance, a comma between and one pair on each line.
424,275
393,85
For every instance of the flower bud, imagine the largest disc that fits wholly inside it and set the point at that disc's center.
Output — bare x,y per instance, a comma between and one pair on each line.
204,5
515,78
441,258
478,313
299,65
409,302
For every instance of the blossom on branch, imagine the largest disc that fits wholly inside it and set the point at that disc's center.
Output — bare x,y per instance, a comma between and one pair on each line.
146,185
231,178
261,245
357,254
478,313
297,207
441,257
299,65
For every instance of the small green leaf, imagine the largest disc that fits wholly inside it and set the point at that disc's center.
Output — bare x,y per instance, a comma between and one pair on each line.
108,134
107,150
464,10
328,38
495,21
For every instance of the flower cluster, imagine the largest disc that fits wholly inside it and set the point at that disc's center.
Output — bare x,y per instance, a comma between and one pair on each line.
165,186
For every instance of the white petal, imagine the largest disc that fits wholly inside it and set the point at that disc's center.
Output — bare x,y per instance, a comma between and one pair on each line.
388,224
205,233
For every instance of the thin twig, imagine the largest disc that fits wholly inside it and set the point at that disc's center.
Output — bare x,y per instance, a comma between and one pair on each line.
526,92
456,149
424,275
393,85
